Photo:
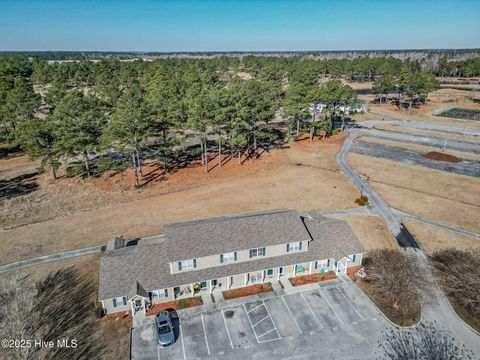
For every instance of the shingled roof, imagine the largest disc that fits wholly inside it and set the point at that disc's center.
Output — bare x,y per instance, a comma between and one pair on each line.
146,265
192,239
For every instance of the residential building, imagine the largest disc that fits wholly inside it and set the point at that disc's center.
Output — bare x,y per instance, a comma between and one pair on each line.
223,253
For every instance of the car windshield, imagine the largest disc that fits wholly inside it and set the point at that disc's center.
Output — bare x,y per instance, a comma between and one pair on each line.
163,329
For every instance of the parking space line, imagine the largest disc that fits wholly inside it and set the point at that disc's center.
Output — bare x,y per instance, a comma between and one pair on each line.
205,333
308,305
226,327
354,308
324,298
158,352
183,344
256,307
293,317
258,322
250,321
268,332
271,318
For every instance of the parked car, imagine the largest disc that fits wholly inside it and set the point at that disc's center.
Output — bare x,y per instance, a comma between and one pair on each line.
165,334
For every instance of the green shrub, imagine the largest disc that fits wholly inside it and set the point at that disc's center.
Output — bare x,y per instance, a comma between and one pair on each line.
334,132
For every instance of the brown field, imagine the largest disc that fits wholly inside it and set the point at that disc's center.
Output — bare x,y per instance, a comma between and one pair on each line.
75,213
370,230
433,239
426,149
435,195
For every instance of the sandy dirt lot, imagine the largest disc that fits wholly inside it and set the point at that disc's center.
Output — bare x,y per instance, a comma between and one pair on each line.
431,194
299,177
370,230
432,238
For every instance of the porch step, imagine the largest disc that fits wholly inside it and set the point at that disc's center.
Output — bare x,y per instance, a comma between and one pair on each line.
287,285
218,295
277,288
207,301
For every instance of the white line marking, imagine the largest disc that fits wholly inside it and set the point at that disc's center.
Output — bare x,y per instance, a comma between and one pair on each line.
250,321
354,308
308,305
264,341
258,322
271,318
293,317
205,333
249,311
183,344
226,327
324,298
268,332
158,352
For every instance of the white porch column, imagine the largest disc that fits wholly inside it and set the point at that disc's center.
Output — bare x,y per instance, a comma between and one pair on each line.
229,282
278,273
193,291
132,307
310,268
264,274
246,279
210,286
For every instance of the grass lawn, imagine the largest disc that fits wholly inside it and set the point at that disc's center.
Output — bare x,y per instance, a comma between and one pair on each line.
308,279
246,291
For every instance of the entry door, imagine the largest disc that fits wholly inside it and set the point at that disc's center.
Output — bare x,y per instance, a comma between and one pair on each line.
256,277
341,266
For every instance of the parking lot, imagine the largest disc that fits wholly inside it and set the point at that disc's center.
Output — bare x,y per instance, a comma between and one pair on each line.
335,320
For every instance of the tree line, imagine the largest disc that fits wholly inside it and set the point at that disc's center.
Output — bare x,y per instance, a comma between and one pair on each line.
177,108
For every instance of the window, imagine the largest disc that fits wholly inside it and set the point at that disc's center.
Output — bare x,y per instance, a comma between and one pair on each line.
120,301
257,252
295,246
321,265
269,272
214,282
228,257
187,264
156,294
203,284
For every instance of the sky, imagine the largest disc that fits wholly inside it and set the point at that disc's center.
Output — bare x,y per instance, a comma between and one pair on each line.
238,25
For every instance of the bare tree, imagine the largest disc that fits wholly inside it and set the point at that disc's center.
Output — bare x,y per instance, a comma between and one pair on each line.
391,277
424,342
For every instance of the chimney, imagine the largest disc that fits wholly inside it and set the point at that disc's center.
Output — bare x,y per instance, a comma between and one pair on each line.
117,242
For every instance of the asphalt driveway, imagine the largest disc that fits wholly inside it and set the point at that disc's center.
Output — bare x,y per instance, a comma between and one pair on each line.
326,320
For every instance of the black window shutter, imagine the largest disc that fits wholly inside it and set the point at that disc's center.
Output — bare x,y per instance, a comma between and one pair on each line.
114,302
264,252
300,248
328,262
194,263
124,300
221,258
251,254
353,260
288,247
179,265
235,256
316,264
166,292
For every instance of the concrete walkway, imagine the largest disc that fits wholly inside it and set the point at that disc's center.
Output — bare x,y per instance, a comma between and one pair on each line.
52,257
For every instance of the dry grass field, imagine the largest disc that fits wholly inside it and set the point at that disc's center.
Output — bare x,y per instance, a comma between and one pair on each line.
435,195
433,239
370,230
75,213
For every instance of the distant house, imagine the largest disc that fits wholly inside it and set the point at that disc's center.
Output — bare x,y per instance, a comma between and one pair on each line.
223,253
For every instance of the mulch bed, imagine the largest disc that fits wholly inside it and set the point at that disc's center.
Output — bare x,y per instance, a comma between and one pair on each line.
123,317
434,155
178,304
351,271
309,279
246,291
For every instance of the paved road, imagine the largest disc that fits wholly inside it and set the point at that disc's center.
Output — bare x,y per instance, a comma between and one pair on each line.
435,307
424,126
414,157
420,140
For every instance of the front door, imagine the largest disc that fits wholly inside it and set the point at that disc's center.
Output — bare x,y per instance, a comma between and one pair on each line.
256,277
341,266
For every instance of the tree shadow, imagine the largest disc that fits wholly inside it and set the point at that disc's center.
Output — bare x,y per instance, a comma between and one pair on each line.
19,185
